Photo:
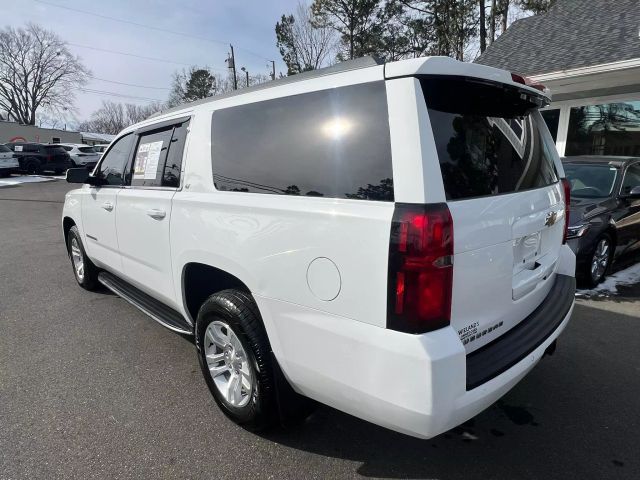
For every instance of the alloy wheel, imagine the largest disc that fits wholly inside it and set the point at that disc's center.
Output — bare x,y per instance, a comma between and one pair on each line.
600,260
76,258
228,364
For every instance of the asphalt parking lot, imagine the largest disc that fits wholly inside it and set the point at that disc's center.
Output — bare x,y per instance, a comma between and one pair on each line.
92,388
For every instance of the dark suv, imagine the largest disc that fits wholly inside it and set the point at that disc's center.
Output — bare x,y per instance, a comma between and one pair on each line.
35,158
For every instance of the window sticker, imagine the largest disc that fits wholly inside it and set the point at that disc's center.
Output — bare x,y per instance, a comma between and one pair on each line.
147,159
18,148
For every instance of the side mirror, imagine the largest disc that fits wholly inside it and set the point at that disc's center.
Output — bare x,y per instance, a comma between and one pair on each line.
634,192
77,175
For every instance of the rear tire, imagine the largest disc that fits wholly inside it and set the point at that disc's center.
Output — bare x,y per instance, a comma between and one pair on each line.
596,269
235,358
85,272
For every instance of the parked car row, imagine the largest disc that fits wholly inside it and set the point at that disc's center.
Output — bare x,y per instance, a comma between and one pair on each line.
35,158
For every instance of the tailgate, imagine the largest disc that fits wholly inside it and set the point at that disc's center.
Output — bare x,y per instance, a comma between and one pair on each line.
498,169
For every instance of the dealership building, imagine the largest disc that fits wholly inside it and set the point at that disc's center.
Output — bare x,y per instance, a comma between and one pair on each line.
588,55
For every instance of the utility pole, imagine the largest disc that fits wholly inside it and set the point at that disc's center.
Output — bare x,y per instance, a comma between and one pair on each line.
273,70
231,62
246,72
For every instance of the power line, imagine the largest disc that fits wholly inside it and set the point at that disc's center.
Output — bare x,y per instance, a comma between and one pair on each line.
128,54
128,84
140,56
150,27
115,94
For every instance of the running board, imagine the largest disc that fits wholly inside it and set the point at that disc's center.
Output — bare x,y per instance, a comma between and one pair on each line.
165,316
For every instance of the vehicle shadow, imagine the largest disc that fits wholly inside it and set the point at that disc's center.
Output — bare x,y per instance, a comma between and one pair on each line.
554,424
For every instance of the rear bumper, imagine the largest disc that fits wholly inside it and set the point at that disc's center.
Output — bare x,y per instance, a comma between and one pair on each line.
415,384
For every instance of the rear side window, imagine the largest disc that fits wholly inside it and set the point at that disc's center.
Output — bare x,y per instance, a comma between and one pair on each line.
53,149
67,148
487,138
332,143
86,149
158,158
151,154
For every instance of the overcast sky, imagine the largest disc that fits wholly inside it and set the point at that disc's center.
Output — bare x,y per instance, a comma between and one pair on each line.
247,24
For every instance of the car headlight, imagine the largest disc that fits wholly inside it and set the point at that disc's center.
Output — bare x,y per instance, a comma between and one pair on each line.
577,231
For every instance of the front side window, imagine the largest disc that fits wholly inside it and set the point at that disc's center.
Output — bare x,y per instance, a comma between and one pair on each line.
631,179
606,129
112,166
332,143
488,138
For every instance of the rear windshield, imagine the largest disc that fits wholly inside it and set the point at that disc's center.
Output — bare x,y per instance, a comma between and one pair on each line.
4,149
54,149
87,149
489,142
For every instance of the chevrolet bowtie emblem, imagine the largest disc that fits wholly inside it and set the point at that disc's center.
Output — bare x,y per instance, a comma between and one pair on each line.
551,218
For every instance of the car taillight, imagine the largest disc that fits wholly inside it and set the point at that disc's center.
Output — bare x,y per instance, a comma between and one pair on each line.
566,185
528,82
49,158
420,268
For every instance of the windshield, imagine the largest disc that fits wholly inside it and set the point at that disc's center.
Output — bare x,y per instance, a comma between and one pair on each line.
591,181
489,138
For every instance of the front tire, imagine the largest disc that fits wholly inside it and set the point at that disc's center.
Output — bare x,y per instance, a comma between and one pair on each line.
596,270
235,358
33,167
85,272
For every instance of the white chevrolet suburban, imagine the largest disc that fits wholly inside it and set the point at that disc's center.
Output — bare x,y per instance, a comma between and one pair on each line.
387,239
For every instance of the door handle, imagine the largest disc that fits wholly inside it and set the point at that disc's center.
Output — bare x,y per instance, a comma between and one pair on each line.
108,206
157,213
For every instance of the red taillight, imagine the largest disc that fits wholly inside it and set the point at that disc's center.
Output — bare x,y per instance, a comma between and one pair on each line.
518,78
528,82
49,158
420,268
566,185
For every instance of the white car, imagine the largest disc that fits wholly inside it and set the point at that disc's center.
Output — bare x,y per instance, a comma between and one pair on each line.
101,148
387,239
8,162
82,155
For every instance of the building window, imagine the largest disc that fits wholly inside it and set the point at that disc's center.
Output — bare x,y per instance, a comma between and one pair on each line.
606,129
552,119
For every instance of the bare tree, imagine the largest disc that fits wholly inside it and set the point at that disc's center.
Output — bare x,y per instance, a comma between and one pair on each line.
302,45
112,117
36,71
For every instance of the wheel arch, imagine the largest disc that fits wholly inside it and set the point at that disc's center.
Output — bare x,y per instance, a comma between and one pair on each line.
199,281
67,223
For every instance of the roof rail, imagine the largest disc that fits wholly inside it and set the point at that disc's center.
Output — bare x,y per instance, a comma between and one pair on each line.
345,66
